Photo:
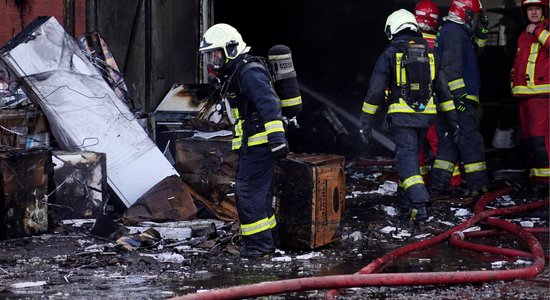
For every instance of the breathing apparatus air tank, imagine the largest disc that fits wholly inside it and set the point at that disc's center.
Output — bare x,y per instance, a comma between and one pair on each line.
286,82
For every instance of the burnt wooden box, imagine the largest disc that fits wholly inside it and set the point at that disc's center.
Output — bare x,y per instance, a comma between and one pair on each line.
209,166
310,192
81,189
24,191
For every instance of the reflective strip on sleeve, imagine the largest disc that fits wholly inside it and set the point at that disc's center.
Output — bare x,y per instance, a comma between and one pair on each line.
257,139
415,179
291,101
447,106
457,84
274,126
473,98
258,226
539,172
369,108
444,165
475,167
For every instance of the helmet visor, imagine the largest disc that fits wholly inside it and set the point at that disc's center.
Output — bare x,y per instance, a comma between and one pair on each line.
214,59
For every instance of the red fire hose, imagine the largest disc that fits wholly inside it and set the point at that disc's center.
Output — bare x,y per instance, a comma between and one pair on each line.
365,277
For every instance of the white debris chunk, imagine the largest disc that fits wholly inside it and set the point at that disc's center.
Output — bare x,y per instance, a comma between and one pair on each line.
522,262
506,200
498,264
282,259
472,229
388,229
421,236
461,212
309,255
401,234
446,223
526,224
27,284
390,210
356,236
170,258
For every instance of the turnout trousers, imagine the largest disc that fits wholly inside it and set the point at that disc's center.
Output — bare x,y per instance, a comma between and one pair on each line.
534,116
255,200
408,142
470,151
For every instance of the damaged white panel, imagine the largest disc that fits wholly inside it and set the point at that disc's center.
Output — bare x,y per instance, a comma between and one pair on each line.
83,111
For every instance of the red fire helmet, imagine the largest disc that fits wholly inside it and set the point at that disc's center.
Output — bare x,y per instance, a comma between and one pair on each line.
426,12
461,7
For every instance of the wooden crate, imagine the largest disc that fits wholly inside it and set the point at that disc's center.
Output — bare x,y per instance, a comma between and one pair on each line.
24,187
310,192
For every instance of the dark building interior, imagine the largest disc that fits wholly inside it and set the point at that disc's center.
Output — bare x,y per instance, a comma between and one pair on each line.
335,45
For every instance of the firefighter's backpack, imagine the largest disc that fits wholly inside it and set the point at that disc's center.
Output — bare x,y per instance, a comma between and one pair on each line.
415,78
283,75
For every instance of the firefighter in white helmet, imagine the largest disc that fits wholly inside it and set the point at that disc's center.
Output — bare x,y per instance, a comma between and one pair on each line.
409,70
258,136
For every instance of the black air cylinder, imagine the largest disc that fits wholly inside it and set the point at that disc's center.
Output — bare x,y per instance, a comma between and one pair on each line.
286,83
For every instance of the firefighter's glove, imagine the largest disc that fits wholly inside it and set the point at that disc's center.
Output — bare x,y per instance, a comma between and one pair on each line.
482,31
279,149
460,104
366,134
452,130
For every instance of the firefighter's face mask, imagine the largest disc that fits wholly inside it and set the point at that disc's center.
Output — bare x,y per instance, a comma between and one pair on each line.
215,61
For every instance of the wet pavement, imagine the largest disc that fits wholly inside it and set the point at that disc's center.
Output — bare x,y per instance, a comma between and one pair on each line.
70,263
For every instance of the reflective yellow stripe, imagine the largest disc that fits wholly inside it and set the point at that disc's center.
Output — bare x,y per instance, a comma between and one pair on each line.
272,222
475,167
398,72
539,172
481,42
415,179
456,172
543,37
432,65
473,98
456,84
234,113
444,165
530,71
236,143
257,139
369,108
403,107
532,90
291,101
274,126
259,226
447,106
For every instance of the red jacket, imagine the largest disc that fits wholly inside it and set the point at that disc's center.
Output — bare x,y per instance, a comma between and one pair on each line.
531,72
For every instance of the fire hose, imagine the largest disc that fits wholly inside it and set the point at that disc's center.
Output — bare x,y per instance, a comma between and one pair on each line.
365,276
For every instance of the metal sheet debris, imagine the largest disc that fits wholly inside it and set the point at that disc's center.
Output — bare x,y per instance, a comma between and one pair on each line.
83,111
